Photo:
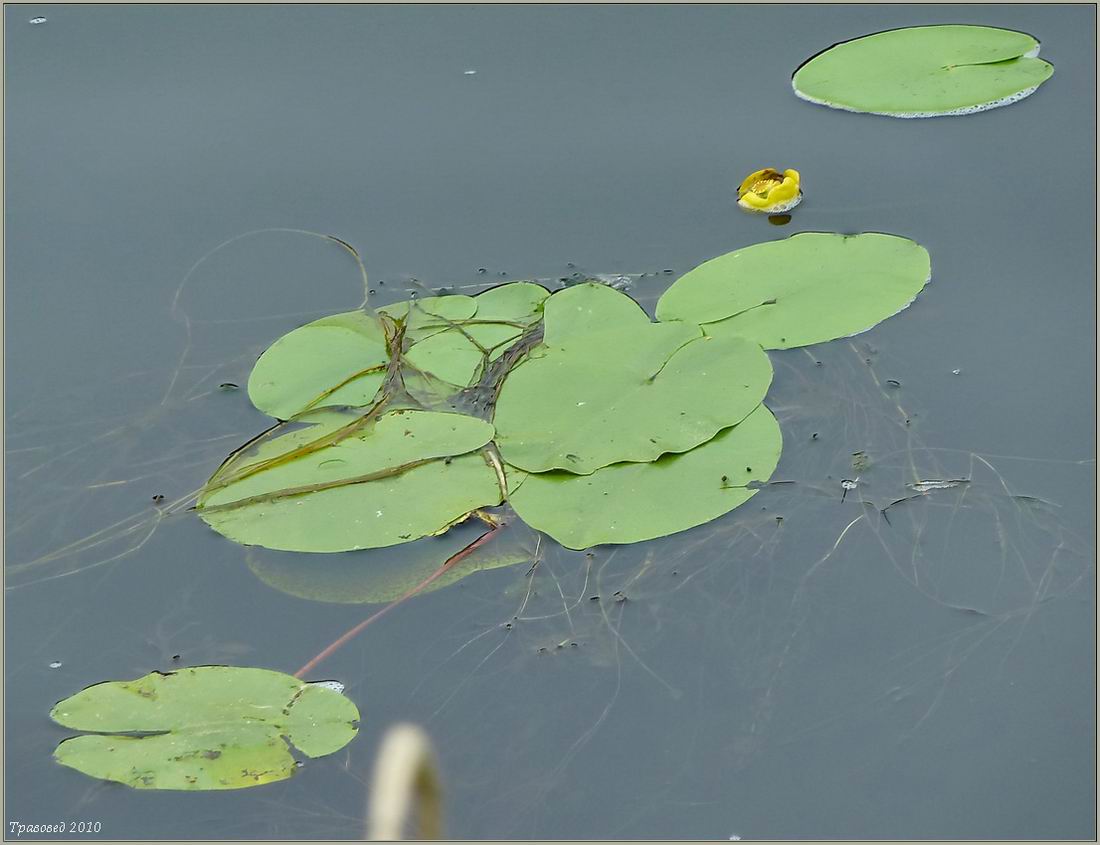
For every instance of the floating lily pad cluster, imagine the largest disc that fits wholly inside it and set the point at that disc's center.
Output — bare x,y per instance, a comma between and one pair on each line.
201,728
593,422
925,71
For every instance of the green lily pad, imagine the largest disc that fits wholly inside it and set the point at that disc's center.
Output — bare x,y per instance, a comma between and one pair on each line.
341,360
807,288
628,393
504,313
207,727
586,308
631,502
513,301
456,354
924,71
337,360
409,474
379,576
425,317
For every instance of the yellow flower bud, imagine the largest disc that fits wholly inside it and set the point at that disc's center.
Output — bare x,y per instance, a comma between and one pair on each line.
770,191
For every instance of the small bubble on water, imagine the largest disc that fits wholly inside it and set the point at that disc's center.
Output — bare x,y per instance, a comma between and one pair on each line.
35,21
56,664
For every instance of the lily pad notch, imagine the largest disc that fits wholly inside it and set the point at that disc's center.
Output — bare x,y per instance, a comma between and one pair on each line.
924,71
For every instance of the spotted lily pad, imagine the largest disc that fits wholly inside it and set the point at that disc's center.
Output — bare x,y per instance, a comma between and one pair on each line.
807,288
631,502
342,484
202,728
925,71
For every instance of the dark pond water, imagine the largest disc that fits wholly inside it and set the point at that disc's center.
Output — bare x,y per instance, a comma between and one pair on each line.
824,675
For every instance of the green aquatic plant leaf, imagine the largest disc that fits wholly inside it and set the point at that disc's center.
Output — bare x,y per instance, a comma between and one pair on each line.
504,313
456,351
924,71
350,482
586,308
337,360
425,317
341,360
624,393
631,502
202,728
378,576
594,406
807,288
515,301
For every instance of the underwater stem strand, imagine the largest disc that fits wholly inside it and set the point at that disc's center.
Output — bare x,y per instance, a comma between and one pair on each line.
349,635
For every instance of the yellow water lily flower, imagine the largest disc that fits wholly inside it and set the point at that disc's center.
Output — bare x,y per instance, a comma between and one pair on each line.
771,191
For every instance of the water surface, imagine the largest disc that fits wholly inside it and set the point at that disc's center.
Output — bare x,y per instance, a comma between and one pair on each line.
802,667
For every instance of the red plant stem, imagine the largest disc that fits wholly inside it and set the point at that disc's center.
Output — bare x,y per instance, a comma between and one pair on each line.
348,636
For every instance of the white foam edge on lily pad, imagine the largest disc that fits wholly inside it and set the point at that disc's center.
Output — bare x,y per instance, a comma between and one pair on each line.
335,686
992,104
778,208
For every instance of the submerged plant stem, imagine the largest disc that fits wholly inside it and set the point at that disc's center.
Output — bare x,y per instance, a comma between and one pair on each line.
394,333
349,635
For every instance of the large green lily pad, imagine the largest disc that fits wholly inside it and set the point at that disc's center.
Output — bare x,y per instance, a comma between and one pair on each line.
625,394
925,71
207,727
807,288
408,474
631,502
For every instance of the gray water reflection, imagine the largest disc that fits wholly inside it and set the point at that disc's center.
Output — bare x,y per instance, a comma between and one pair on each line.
833,673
